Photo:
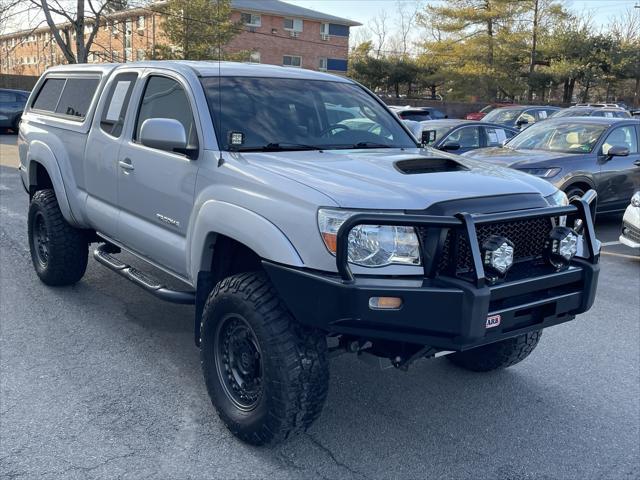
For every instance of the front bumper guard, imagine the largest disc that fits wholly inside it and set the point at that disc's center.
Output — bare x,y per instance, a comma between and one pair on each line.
443,312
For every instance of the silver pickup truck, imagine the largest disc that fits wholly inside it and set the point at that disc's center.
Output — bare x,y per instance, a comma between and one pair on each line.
304,220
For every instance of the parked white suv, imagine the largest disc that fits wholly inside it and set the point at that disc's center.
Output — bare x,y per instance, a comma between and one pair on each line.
294,206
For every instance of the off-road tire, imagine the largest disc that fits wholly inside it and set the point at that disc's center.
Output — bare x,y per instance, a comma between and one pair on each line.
67,251
294,362
497,355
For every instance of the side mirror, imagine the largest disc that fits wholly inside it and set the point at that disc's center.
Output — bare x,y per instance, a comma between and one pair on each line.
450,146
617,151
522,121
428,137
164,134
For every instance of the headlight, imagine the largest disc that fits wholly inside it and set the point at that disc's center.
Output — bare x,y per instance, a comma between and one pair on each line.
559,199
370,245
542,172
635,200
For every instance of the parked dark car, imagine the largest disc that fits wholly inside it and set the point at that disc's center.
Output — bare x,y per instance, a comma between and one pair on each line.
609,112
485,110
576,154
12,104
519,117
460,136
417,114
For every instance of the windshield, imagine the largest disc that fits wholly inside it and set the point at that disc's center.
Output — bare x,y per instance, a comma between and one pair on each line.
415,116
502,115
566,137
267,114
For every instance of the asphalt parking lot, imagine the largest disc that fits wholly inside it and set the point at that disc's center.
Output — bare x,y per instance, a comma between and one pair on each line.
101,380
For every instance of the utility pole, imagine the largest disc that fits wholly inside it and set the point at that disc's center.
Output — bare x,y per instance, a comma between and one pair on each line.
534,43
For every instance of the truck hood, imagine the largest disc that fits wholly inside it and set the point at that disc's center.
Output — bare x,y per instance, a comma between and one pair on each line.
371,178
516,158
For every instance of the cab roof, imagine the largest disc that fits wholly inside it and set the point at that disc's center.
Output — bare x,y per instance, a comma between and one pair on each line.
208,69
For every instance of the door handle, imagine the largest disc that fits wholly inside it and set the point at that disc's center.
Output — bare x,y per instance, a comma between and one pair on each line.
637,163
126,164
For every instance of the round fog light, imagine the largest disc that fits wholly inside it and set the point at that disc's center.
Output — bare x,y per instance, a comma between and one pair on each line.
562,246
497,254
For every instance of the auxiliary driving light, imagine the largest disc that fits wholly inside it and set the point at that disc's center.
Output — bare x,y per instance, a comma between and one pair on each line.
562,245
497,254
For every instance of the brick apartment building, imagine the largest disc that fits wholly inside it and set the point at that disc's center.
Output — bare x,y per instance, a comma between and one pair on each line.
274,32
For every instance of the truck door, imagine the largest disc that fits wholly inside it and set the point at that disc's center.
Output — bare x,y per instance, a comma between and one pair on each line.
155,186
101,154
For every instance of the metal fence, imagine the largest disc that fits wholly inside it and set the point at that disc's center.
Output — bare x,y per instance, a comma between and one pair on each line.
18,82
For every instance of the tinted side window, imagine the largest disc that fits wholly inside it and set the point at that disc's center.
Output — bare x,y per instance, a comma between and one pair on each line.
165,98
495,137
115,107
621,137
49,94
468,137
528,116
76,96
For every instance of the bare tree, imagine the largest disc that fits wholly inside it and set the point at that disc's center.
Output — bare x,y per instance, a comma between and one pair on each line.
380,29
7,12
77,19
406,21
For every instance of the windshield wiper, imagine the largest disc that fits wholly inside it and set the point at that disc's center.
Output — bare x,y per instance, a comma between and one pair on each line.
278,147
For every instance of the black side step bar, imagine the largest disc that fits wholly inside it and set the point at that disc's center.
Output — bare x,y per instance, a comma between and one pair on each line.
141,279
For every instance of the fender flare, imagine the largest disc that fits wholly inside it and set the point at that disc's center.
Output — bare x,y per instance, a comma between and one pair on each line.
215,217
578,179
40,153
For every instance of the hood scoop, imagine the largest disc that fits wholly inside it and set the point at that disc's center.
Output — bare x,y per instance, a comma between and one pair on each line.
414,166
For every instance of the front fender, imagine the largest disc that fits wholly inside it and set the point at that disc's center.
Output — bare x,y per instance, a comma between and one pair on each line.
40,153
252,230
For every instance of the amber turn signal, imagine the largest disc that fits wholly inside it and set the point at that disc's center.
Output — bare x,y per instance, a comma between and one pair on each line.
385,303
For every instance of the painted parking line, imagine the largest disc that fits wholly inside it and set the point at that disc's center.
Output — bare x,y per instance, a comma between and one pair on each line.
609,244
622,255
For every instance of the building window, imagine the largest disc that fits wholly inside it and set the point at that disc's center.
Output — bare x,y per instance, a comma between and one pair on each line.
251,19
338,30
292,61
324,29
254,57
337,64
140,23
322,64
293,24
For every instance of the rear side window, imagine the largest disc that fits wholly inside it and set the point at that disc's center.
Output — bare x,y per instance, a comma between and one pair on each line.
495,137
49,94
76,96
115,108
66,96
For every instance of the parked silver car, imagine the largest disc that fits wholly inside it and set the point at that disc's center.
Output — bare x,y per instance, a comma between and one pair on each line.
287,229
